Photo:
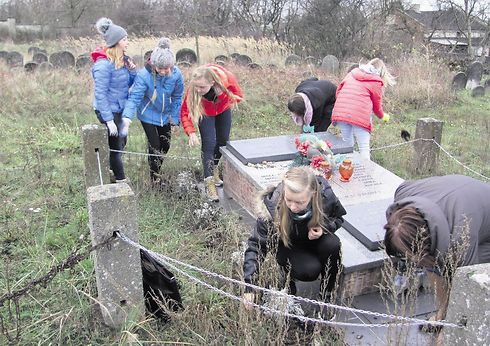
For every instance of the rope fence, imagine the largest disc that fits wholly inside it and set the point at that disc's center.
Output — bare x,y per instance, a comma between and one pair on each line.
173,263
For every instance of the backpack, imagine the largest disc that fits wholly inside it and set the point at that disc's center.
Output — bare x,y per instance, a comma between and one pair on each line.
160,288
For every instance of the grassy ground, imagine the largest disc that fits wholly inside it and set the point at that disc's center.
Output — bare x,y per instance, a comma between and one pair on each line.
44,215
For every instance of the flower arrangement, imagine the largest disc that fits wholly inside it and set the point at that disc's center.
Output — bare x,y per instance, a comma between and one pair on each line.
316,153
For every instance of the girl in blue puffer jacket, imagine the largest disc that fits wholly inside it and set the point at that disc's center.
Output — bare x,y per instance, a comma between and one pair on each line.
156,97
113,74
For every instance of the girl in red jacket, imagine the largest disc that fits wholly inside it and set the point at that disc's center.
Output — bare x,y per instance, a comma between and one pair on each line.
358,96
212,92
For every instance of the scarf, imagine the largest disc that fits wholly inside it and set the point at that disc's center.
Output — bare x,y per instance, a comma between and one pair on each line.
306,119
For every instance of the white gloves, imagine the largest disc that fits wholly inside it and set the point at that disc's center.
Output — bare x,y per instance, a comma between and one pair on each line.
125,127
111,126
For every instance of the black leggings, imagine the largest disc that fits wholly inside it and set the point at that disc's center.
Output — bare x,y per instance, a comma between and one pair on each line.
215,132
158,143
115,143
309,259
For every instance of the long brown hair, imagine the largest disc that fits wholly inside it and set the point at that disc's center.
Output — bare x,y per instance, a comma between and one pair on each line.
299,179
116,56
194,104
408,235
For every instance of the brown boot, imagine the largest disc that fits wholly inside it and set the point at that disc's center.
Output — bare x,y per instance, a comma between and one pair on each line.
211,192
217,179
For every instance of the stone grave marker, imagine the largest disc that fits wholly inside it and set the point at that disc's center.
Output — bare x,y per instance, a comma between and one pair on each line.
45,66
475,72
478,91
147,56
243,60
222,58
63,59
32,50
459,81
15,59
311,60
186,54
39,58
4,56
30,66
293,60
331,64
277,148
487,86
234,55
254,66
83,62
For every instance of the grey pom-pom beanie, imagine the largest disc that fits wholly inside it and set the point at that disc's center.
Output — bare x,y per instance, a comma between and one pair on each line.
162,56
112,33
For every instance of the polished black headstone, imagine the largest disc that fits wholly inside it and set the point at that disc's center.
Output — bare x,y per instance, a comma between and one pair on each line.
365,222
279,148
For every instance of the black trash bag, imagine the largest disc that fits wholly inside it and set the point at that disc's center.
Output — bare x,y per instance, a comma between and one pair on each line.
160,288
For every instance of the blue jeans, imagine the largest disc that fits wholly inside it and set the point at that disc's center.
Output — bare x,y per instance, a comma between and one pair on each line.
116,143
215,132
362,136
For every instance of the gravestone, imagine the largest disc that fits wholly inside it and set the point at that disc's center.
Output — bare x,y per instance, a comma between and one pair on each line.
45,66
242,60
83,62
234,55
187,55
147,56
459,81
254,66
4,56
331,64
63,59
293,60
474,73
365,197
39,58
487,86
279,148
30,66
478,91
15,59
312,61
33,50
222,58
426,151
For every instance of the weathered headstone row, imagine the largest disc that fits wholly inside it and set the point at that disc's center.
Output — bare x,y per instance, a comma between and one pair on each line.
329,63
471,80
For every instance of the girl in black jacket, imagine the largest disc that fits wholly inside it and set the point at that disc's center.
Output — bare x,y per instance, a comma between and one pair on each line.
312,104
302,213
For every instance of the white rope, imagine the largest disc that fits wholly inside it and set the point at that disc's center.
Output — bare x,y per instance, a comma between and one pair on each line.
154,155
404,320
440,147
100,168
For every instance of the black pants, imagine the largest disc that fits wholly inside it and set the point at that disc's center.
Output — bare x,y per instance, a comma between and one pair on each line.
115,143
215,132
307,260
158,144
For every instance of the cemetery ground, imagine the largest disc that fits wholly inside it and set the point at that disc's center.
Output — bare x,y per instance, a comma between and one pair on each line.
44,210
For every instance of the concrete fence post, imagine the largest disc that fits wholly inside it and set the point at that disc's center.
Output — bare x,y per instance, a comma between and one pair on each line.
427,152
469,303
12,28
118,272
95,149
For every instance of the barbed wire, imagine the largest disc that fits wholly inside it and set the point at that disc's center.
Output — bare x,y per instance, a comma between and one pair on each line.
73,259
403,320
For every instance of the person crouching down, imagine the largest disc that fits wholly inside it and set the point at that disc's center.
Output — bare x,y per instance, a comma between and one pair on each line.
303,213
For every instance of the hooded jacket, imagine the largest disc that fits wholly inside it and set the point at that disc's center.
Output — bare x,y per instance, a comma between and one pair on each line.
321,94
111,86
264,229
450,205
359,95
220,104
166,107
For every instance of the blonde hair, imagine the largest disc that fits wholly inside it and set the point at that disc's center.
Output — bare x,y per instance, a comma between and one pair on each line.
386,76
296,180
116,56
207,73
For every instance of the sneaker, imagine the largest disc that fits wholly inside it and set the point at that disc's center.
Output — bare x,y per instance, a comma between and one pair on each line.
217,179
210,187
